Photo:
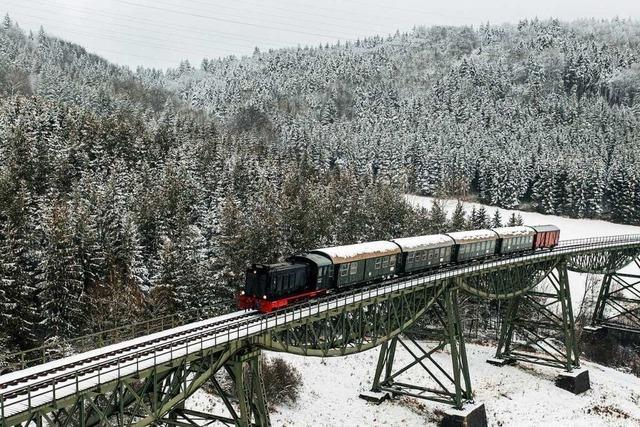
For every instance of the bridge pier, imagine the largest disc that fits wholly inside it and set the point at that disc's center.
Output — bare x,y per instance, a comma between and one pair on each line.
617,309
542,319
451,386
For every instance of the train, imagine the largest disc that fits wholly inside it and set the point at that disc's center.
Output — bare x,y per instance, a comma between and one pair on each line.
270,287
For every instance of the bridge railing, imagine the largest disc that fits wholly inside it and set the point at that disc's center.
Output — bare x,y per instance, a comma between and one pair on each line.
622,238
66,347
112,369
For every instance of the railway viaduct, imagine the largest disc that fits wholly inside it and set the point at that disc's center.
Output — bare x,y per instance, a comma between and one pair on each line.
147,373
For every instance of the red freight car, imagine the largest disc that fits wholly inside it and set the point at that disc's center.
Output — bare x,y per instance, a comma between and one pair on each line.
547,236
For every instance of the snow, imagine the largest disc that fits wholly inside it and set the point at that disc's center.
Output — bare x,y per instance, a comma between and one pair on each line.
473,236
57,364
514,231
418,243
348,253
570,228
513,395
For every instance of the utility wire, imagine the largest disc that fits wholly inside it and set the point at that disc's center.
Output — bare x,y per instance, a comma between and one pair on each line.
232,21
137,27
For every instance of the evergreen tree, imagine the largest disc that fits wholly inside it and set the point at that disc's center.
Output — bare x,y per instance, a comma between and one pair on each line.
496,221
62,296
458,218
438,217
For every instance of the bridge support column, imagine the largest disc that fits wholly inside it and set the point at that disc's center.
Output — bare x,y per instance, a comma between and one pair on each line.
246,372
451,386
618,306
542,322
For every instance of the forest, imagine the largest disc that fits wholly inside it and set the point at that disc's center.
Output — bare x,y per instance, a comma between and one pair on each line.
128,194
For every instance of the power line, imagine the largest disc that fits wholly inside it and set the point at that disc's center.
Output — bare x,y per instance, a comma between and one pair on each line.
232,21
110,37
138,27
271,8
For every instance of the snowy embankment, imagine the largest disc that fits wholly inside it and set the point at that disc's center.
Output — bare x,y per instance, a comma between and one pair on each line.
523,395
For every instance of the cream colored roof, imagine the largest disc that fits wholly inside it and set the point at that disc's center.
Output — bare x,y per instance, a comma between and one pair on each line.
349,253
418,243
473,236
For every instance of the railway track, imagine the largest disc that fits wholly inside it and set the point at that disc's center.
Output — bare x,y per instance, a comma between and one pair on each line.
127,350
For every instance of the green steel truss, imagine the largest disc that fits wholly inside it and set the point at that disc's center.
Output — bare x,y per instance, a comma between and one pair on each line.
157,395
354,328
538,326
536,315
618,303
453,387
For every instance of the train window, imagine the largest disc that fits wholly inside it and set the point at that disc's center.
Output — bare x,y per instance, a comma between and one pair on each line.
410,257
354,268
344,269
392,259
385,262
379,262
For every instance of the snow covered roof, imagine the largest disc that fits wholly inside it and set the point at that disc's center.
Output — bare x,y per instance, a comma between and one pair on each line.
349,253
545,227
412,244
473,236
518,231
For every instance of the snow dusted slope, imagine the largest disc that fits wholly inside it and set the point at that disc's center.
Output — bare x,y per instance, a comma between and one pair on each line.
569,228
513,396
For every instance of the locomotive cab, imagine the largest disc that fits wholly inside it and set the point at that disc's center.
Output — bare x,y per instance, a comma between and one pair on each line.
268,286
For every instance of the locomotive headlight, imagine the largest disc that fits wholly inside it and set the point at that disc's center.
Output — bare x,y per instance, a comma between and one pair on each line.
264,297
241,292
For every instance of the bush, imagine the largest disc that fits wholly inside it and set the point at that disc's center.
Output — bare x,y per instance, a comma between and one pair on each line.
282,381
608,351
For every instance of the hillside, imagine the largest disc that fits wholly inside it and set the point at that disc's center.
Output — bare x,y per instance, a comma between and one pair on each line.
542,114
513,395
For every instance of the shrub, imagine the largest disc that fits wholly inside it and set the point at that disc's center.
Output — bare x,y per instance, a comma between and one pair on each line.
608,351
282,381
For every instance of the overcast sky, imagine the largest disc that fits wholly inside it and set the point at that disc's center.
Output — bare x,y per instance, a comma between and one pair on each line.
160,33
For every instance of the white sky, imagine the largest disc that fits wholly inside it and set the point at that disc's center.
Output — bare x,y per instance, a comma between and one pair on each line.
160,33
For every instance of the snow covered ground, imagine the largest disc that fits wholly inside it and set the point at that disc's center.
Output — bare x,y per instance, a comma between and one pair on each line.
513,395
522,395
569,228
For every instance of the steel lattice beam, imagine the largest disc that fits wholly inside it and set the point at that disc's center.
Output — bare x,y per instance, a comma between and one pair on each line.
373,318
618,303
542,320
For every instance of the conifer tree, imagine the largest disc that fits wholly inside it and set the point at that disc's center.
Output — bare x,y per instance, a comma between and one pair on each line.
458,218
63,299
496,221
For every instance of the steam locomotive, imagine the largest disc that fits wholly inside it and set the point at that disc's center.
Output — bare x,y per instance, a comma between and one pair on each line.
274,286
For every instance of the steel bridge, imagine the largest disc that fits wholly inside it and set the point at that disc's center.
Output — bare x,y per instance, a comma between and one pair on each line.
146,380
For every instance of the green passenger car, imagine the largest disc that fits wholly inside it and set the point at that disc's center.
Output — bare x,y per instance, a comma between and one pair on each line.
514,239
362,262
425,252
474,244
